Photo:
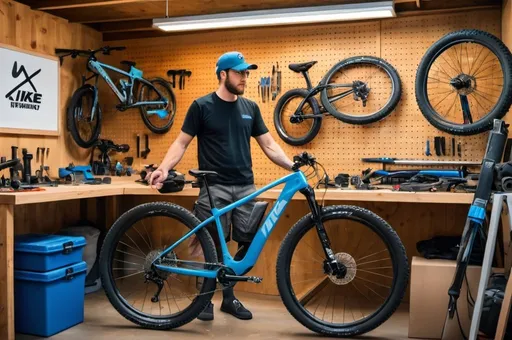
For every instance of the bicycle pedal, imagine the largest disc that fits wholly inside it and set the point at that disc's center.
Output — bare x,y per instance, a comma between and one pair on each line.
254,279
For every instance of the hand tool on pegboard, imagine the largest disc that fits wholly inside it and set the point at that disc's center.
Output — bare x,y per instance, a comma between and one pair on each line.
262,81
278,80
273,83
268,89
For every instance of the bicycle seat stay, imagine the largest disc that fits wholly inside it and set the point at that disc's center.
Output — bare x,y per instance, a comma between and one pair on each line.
302,67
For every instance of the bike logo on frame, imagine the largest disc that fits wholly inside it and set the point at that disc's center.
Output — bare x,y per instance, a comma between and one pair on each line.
273,216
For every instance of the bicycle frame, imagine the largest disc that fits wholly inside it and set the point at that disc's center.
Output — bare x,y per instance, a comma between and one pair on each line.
313,91
293,182
134,74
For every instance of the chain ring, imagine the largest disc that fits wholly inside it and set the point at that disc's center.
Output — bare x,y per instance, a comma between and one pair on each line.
348,261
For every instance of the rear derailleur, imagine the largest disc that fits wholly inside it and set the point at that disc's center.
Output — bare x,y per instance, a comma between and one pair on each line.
156,279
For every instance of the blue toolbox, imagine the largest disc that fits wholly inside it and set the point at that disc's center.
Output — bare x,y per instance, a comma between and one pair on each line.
49,302
42,253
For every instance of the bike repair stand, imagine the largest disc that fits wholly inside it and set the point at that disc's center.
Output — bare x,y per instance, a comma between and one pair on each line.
496,214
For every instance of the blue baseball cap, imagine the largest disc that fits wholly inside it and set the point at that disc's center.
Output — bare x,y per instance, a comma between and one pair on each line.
235,61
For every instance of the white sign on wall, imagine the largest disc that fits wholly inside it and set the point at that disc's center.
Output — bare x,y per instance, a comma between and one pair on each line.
29,92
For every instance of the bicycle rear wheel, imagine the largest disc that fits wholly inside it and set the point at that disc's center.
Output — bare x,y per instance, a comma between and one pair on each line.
155,122
373,287
464,82
132,285
372,90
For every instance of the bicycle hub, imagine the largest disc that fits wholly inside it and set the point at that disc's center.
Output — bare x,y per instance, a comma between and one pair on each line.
463,83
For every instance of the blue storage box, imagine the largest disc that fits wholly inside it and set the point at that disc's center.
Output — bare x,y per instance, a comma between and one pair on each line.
48,303
42,253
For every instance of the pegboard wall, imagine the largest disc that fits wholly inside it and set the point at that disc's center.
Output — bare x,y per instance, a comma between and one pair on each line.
338,146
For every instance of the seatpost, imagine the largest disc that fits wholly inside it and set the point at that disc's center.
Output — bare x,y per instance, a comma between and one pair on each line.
212,205
308,81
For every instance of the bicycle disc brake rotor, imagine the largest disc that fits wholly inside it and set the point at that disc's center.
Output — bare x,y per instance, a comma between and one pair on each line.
168,260
348,261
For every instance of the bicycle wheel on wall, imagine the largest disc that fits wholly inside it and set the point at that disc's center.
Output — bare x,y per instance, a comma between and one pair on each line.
84,128
153,121
375,281
464,82
296,129
361,90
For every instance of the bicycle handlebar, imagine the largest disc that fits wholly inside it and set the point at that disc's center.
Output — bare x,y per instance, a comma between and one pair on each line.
88,53
302,160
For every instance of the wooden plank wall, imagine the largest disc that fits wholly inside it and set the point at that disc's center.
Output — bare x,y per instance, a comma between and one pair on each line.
506,23
40,32
401,41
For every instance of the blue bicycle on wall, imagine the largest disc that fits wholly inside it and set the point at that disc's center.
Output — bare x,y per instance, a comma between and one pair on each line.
155,98
341,270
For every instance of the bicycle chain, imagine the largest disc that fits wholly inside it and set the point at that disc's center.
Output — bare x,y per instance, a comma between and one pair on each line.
204,264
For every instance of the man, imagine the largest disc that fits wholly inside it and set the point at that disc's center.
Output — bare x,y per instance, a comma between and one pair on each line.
224,123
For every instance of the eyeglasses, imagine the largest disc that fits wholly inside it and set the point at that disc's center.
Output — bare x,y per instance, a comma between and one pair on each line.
242,73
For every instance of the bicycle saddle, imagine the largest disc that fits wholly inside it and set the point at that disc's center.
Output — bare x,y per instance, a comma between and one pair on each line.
128,63
302,67
198,173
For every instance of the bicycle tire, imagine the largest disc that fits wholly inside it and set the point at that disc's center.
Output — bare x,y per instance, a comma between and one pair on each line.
115,233
502,106
172,104
86,90
377,224
379,115
317,122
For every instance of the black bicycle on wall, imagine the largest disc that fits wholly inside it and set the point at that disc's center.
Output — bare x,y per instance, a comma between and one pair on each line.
464,82
154,97
357,90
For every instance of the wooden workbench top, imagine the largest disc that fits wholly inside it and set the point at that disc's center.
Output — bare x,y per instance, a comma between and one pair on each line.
128,186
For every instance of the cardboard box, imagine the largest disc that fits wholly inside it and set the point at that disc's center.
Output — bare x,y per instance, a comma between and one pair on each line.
430,280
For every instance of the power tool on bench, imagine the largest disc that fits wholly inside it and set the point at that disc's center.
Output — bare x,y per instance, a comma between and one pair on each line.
81,174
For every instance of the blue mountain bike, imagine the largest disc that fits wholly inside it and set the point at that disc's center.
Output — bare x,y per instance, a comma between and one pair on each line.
341,270
155,98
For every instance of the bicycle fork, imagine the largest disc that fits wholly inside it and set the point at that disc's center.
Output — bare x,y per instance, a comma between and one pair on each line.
331,265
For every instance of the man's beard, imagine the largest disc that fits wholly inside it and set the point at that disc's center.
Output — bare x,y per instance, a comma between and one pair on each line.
232,88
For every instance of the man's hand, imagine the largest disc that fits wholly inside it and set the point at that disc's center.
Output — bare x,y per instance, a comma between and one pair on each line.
156,178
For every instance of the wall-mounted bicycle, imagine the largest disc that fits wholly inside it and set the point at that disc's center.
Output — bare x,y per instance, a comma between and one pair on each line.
155,98
357,90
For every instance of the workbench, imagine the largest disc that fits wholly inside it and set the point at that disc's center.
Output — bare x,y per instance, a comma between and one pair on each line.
128,187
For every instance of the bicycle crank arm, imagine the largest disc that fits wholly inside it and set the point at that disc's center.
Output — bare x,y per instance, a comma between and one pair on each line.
254,279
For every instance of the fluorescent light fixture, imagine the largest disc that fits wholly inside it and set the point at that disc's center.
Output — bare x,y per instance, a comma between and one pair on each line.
284,16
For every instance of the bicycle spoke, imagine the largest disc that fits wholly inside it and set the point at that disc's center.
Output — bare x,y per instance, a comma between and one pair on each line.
118,278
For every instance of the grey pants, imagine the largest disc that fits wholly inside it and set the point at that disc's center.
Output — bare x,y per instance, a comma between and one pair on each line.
236,219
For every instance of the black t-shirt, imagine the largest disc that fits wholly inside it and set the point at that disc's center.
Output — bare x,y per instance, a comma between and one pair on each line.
224,131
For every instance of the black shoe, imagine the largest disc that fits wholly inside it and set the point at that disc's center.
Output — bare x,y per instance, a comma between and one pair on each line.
235,308
207,313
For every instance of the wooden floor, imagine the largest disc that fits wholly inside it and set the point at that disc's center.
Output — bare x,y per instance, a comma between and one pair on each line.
270,321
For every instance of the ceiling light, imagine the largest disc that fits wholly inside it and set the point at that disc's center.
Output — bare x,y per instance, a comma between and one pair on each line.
284,16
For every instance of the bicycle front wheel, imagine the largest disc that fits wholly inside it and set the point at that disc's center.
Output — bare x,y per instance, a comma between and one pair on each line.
374,284
361,90
297,129
145,295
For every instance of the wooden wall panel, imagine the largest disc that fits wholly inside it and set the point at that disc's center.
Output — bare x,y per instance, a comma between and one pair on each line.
40,32
506,23
402,41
